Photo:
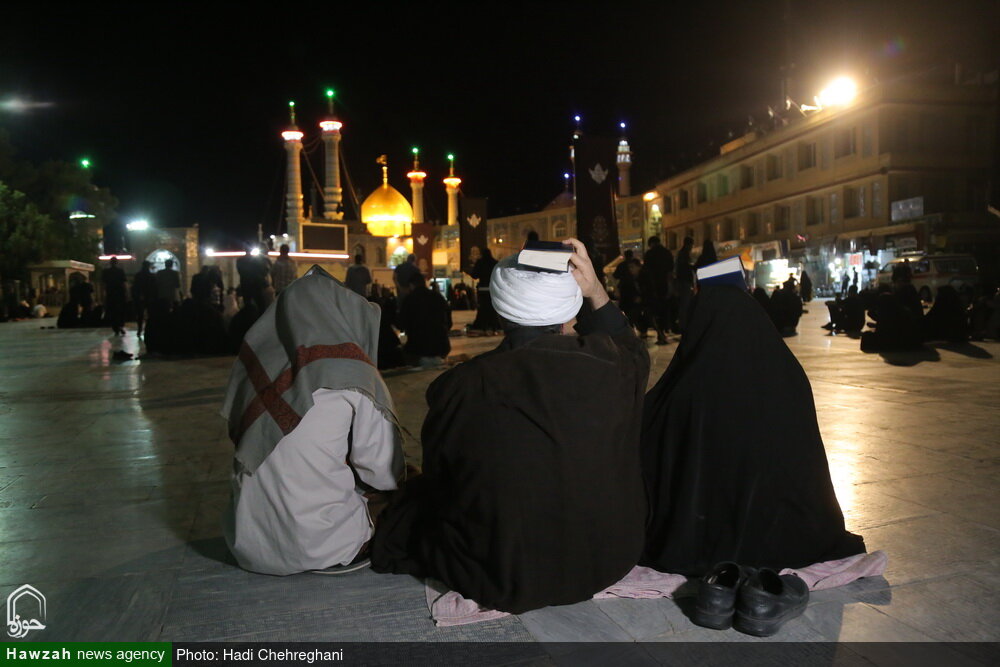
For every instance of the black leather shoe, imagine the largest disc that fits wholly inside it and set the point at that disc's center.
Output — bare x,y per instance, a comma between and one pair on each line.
717,596
767,601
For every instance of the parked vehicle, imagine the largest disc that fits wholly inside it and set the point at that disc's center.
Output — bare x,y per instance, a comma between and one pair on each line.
933,271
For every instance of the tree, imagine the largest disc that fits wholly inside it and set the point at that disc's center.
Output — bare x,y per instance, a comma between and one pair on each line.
26,235
56,189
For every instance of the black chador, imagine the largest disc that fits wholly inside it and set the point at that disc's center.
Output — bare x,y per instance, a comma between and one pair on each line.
531,493
732,456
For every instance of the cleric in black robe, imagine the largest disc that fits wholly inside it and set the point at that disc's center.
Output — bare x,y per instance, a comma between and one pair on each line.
732,455
531,493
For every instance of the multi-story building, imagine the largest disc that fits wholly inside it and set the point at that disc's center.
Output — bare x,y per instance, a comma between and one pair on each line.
902,166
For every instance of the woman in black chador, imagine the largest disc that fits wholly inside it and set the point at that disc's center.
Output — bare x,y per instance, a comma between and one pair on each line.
732,456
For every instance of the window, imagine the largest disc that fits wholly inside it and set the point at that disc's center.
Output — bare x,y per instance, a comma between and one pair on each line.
774,165
814,210
559,230
901,136
706,232
672,240
975,134
682,199
876,199
722,185
501,232
726,231
668,204
782,217
807,155
867,140
752,223
844,143
702,193
746,177
852,202
834,207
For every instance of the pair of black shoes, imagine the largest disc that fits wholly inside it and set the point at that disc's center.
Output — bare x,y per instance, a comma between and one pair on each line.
755,602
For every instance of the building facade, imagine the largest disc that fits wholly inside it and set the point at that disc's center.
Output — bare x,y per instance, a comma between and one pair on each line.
902,167
636,222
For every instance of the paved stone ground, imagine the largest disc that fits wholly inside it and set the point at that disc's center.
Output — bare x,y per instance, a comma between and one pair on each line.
113,476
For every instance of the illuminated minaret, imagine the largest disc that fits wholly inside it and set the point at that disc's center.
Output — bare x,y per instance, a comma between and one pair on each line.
451,186
572,152
417,186
293,186
332,193
624,164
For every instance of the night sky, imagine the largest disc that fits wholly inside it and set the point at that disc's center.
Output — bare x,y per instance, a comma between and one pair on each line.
181,109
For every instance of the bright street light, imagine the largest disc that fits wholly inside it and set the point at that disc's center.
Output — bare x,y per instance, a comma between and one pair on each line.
137,225
839,92
85,163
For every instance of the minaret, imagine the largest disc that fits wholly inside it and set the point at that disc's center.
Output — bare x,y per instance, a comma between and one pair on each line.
333,195
572,152
451,186
624,164
293,185
417,187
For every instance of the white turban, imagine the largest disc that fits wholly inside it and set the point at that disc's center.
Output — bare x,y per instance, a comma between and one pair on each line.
533,298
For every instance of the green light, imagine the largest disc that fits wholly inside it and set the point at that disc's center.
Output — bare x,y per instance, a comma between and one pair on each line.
85,163
329,92
415,150
291,104
451,157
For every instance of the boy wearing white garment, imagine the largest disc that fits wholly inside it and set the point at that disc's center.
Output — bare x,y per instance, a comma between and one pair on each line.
531,493
315,432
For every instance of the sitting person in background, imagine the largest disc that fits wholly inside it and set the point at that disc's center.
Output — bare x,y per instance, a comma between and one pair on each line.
315,432
985,314
896,327
426,318
786,308
948,318
531,493
761,297
731,474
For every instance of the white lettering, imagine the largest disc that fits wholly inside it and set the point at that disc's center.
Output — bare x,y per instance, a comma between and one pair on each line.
198,656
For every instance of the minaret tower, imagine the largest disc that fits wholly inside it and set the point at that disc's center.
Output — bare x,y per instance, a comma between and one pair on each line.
333,194
624,164
417,187
451,187
572,152
293,183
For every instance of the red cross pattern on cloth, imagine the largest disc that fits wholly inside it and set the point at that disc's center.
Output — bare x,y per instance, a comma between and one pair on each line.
269,393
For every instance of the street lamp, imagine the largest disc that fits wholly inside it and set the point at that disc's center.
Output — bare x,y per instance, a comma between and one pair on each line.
839,92
137,225
85,162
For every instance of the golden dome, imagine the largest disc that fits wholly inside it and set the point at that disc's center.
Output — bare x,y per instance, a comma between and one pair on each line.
386,211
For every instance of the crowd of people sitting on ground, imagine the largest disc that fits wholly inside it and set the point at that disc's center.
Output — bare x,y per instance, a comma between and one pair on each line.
896,319
504,511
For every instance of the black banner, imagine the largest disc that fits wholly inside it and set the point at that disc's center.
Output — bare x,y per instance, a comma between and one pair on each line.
472,230
423,246
595,204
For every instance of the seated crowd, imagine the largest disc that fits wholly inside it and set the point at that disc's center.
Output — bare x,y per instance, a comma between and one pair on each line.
548,470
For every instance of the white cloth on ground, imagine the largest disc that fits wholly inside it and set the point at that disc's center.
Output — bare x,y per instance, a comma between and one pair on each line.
533,298
300,509
449,608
